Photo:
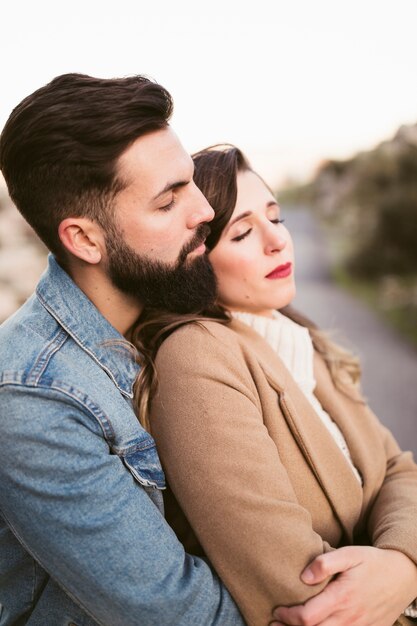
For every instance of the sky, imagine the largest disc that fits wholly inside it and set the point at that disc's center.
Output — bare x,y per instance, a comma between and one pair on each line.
291,82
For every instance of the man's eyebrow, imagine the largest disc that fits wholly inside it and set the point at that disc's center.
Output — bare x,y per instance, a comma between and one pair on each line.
170,187
178,184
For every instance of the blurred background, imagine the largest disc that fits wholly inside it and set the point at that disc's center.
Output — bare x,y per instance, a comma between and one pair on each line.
321,96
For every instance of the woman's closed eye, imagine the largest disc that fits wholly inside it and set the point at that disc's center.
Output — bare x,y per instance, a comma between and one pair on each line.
246,233
242,236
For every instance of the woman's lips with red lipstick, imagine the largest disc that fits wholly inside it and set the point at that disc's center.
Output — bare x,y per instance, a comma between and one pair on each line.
282,271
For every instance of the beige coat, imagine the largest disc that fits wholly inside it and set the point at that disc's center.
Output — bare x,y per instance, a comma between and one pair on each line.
257,474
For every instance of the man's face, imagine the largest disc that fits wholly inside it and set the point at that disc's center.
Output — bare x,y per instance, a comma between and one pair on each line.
155,249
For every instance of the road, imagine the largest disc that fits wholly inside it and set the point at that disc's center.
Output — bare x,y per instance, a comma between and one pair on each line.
389,363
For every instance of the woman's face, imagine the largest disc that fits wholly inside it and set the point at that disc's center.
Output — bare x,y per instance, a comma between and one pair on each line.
254,260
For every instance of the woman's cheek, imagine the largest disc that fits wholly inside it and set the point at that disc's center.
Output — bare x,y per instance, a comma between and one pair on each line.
234,273
232,285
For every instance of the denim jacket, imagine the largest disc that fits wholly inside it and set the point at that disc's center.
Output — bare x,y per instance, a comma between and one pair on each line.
83,539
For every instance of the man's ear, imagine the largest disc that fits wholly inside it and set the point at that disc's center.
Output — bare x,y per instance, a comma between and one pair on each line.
83,238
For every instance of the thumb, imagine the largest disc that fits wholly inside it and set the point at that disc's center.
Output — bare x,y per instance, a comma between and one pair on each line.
329,564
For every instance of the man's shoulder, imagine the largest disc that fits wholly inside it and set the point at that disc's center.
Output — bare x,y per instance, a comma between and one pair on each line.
37,351
46,373
24,335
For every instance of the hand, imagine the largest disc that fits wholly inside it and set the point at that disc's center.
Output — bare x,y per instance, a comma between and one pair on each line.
372,588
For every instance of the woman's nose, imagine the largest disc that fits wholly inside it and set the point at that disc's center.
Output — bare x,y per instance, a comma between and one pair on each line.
275,241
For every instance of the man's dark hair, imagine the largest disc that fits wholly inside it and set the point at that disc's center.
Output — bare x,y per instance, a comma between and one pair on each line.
60,145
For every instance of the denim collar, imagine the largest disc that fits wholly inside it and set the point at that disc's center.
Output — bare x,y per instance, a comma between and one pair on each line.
72,309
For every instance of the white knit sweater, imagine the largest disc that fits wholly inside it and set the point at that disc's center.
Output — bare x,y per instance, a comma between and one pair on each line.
294,346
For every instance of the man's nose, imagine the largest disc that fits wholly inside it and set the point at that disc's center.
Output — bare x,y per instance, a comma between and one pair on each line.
200,210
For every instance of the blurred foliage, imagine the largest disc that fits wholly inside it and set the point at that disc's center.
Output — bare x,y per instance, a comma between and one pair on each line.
371,200
369,205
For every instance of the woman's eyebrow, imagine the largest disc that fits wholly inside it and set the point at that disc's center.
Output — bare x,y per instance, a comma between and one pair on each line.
272,203
238,218
242,216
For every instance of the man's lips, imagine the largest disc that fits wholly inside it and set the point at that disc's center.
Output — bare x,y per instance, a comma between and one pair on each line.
196,244
199,250
282,271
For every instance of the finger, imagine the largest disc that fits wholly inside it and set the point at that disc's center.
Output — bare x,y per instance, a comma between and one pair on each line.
319,608
294,616
329,564
336,620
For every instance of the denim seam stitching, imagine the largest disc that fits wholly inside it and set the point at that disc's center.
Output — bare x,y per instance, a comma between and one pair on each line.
92,408
34,580
45,356
139,447
105,424
146,482
80,343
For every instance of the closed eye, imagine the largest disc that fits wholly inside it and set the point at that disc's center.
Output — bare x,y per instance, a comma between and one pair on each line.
168,206
246,233
242,236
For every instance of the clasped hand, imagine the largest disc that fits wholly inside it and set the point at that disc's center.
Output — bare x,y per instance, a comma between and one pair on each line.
371,587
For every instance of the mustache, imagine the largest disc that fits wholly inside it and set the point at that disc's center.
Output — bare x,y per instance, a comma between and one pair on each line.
201,234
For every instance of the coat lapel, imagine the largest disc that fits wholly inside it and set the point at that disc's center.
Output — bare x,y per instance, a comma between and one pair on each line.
314,440
358,425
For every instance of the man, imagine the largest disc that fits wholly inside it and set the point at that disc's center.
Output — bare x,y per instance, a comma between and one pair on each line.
96,170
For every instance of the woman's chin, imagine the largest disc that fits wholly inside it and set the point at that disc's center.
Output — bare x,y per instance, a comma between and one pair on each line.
258,306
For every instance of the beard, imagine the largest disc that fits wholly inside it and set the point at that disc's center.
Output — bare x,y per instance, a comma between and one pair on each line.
188,286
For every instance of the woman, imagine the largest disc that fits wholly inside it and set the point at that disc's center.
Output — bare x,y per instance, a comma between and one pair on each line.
268,446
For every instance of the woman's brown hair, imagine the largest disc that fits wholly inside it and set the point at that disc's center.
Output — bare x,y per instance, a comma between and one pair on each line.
216,171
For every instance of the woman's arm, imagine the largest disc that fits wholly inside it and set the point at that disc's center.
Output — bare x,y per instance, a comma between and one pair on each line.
392,522
226,474
373,588
387,571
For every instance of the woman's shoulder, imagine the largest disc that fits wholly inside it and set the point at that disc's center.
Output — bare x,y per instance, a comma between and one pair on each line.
214,347
197,335
203,352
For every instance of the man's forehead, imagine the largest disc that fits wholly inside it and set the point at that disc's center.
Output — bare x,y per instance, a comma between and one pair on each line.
157,159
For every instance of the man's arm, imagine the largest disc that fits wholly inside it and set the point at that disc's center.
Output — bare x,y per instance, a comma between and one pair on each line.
79,512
